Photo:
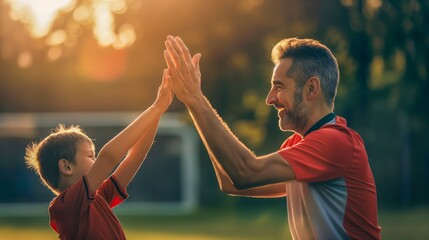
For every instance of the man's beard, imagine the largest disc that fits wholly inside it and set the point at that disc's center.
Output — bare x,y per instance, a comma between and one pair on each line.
295,119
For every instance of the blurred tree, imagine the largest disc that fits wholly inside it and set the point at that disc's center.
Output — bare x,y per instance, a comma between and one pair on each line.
405,48
389,44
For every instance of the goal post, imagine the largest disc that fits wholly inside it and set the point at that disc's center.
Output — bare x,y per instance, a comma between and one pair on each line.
167,182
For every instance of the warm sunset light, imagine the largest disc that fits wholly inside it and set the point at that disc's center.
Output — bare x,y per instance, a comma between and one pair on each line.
335,147
38,15
104,24
40,19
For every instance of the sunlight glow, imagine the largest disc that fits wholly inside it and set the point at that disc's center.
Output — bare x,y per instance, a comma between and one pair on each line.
25,59
82,14
40,18
54,53
104,24
102,64
126,37
56,38
38,15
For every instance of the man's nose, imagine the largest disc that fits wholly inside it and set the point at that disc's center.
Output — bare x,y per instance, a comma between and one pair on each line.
270,98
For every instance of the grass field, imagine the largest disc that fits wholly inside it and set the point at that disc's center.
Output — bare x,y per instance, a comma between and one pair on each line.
211,224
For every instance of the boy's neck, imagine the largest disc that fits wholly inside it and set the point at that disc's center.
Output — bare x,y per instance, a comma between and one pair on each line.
67,181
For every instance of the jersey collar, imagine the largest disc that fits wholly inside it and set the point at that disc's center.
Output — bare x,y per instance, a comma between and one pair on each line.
321,122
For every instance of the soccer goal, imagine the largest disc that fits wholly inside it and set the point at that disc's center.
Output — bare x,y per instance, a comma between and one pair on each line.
167,182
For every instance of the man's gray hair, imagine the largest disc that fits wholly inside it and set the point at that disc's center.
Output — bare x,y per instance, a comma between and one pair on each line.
309,58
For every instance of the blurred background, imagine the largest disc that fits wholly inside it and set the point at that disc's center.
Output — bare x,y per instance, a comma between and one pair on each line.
80,57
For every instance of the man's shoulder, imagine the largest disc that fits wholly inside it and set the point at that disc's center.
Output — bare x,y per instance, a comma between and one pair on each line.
340,127
338,134
292,140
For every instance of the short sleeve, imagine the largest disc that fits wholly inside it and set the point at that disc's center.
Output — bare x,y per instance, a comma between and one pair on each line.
322,155
112,192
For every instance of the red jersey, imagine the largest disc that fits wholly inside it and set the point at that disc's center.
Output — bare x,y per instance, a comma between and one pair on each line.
76,215
334,195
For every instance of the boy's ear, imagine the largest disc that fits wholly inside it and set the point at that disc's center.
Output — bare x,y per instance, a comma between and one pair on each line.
65,167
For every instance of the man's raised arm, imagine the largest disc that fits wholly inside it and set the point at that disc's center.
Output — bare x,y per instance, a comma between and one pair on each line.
242,166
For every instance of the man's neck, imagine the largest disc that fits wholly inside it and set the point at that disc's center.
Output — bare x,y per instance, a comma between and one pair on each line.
326,119
315,116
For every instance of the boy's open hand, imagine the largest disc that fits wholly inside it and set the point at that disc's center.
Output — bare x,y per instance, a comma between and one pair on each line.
165,93
183,69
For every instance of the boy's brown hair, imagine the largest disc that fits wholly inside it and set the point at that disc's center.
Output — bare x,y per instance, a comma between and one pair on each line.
43,157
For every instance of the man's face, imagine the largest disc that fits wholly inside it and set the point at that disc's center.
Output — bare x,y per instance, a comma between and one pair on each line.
287,99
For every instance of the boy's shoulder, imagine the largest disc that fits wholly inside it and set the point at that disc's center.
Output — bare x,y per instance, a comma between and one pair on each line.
71,197
77,196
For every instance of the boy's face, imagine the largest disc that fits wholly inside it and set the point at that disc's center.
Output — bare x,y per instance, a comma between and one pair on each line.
84,159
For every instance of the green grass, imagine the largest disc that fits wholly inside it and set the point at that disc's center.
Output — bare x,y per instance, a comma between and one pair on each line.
409,224
211,224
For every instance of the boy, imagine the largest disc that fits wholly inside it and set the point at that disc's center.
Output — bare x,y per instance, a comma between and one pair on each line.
66,163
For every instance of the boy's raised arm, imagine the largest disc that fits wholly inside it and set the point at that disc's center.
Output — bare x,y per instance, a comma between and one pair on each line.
138,152
113,151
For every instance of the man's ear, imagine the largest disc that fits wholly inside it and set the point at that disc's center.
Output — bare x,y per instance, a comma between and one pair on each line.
312,87
65,167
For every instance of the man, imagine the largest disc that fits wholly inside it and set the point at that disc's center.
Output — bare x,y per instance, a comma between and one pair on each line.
322,168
